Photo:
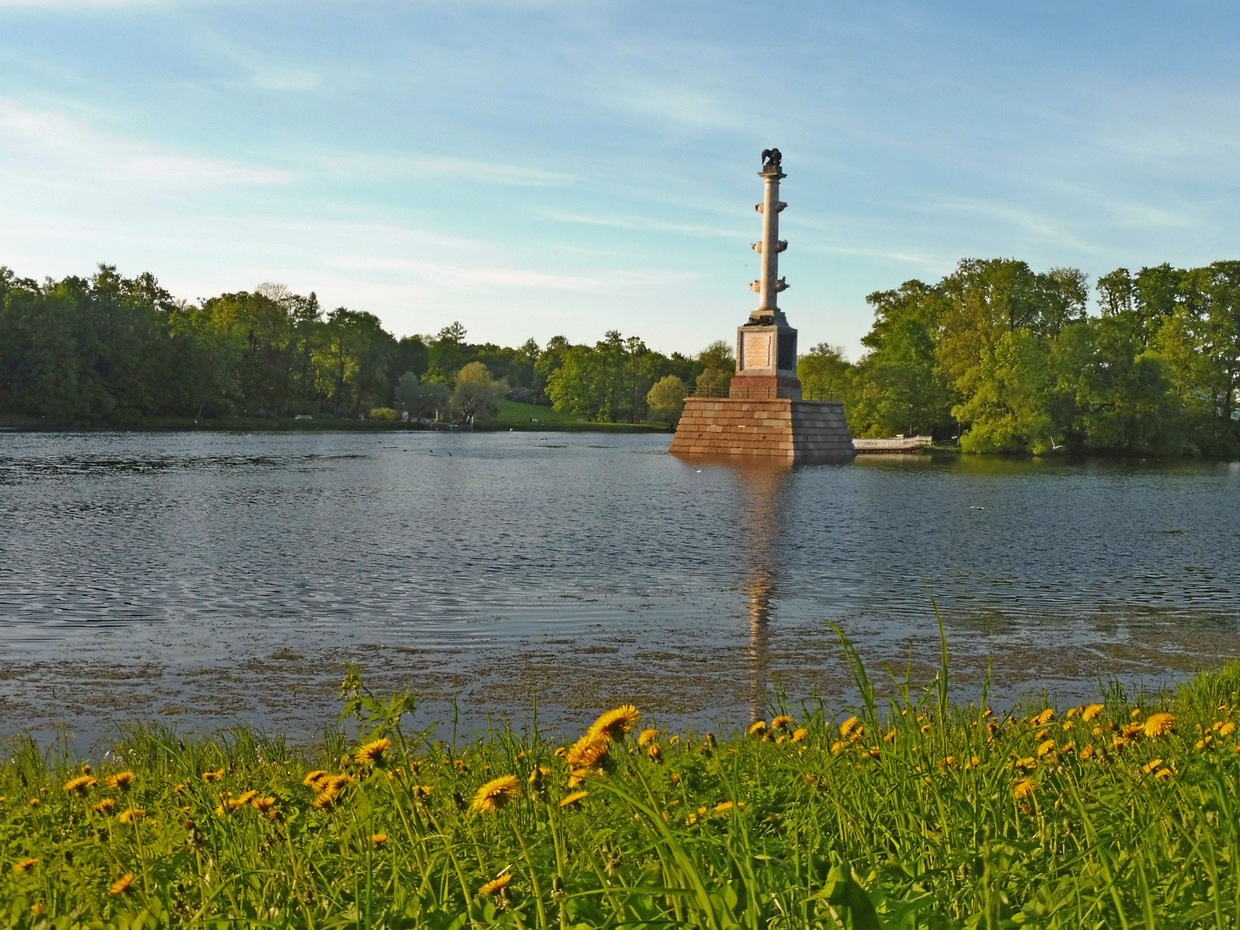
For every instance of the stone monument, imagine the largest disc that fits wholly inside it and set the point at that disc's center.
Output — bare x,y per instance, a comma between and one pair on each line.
764,415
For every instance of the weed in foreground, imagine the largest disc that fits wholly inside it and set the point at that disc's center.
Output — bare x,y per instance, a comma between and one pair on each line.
912,812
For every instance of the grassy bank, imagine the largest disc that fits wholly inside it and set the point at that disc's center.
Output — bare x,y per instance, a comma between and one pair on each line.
910,813
512,415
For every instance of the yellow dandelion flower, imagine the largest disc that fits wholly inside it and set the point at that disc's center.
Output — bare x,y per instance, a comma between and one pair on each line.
782,722
1163,773
648,735
25,865
757,728
1029,762
1119,742
799,734
313,779
1073,711
849,727
1159,725
1088,752
1133,729
378,838
35,802
655,752
80,785
1043,718
1205,741
723,807
838,746
104,806
213,776
329,791
325,800
242,799
122,885
131,815
495,794
1023,788
571,800
617,721
263,805
1150,766
120,781
1227,729
588,751
1136,712
372,752
1046,747
497,884
1092,710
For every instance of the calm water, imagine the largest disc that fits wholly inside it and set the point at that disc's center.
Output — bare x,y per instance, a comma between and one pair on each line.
207,579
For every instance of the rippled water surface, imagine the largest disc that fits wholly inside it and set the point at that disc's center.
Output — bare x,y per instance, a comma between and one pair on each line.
206,579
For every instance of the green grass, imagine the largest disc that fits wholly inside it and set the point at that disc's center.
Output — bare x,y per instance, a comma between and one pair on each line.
913,812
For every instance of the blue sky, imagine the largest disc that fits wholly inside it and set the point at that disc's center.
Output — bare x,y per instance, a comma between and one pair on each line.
541,167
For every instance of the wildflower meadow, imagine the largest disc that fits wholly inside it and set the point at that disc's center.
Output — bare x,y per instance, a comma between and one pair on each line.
907,811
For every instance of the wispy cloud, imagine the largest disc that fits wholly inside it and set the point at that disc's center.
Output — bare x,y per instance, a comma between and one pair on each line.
67,151
486,172
74,5
463,277
645,224
884,254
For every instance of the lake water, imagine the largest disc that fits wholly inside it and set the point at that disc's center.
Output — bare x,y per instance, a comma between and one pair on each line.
207,579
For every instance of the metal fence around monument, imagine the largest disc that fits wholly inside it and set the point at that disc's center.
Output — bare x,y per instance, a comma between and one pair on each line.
783,393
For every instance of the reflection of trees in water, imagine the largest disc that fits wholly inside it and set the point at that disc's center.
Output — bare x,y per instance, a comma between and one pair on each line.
763,495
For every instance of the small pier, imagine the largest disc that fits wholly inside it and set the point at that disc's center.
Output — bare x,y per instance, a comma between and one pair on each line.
895,446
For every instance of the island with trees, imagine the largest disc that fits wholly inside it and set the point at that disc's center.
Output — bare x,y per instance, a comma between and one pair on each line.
995,355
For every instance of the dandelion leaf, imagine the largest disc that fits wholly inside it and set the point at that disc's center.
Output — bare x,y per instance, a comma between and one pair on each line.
849,905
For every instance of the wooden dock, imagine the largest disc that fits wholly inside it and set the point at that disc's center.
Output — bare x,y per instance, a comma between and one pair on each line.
896,445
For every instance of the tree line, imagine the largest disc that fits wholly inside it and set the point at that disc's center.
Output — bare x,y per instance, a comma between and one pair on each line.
111,350
1010,360
1002,357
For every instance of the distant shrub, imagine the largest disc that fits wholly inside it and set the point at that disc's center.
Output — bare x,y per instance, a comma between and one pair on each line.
383,413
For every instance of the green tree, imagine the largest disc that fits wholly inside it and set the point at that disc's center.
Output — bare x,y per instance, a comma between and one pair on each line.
476,395
1114,395
716,366
824,373
1008,408
666,399
899,386
422,400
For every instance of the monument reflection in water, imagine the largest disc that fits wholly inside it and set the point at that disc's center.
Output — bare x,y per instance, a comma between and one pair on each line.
763,494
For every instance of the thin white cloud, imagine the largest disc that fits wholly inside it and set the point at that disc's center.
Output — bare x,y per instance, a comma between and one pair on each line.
65,151
466,169
885,254
465,277
74,5
645,224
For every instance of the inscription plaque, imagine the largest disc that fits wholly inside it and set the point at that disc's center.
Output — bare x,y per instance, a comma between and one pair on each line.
756,350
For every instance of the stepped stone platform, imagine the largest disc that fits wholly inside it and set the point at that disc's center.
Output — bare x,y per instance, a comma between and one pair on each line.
798,432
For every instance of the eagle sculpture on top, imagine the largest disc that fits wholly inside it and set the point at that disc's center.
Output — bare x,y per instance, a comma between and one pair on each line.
771,158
